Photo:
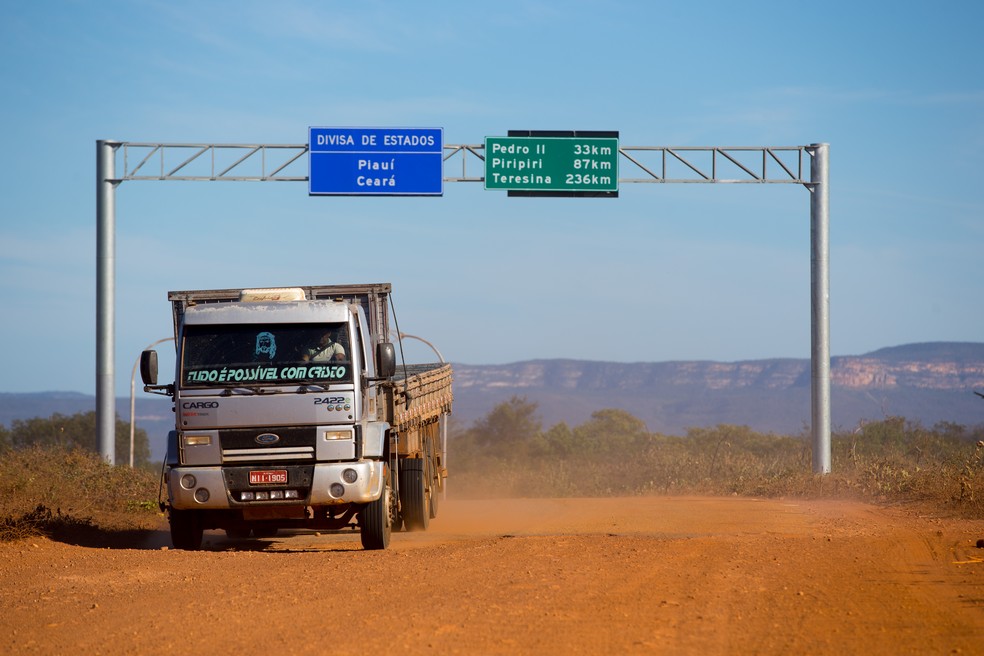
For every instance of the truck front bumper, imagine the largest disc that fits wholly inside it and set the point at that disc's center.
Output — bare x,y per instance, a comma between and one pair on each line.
202,488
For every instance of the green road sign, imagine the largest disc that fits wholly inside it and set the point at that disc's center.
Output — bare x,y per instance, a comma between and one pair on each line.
551,163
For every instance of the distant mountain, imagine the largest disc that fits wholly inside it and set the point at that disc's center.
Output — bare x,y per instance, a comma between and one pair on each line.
43,404
929,382
967,352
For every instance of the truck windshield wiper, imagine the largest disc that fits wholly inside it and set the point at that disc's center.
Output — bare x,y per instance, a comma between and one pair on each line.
304,388
251,391
229,391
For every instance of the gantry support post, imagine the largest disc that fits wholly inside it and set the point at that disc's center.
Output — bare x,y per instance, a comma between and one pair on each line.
106,298
820,305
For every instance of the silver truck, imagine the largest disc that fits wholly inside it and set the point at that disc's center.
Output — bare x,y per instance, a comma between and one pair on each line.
291,412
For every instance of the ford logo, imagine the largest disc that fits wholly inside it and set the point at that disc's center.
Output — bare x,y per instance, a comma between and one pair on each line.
267,438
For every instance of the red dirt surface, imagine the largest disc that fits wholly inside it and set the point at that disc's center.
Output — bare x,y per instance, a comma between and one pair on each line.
524,576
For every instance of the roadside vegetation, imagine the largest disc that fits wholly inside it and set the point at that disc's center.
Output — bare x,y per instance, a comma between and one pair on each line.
53,482
509,453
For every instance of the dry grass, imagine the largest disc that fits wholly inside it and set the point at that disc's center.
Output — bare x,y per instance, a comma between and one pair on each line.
916,465
58,490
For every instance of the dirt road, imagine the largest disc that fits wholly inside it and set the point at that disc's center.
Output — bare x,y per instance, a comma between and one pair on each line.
612,576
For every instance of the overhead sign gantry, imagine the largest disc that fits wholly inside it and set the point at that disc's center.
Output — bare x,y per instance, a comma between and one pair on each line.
415,153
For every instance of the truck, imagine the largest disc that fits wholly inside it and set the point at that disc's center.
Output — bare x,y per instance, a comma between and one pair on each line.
292,412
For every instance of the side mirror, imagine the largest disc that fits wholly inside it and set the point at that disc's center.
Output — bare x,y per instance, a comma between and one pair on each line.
385,360
148,367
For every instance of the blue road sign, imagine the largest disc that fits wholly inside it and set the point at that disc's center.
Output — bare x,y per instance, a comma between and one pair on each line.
376,161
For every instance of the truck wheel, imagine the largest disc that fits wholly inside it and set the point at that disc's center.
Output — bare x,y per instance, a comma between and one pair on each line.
414,504
434,495
374,522
432,504
186,530
432,481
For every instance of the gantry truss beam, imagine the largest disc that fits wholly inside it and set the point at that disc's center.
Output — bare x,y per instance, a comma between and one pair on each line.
639,164
675,164
234,162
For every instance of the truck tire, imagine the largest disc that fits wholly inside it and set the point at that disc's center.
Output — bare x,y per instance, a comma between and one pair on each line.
374,522
432,505
186,529
414,504
434,495
433,482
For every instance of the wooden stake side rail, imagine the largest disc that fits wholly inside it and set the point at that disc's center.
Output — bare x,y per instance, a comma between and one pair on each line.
423,396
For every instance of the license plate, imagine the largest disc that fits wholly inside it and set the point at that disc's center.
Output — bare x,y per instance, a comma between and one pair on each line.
268,477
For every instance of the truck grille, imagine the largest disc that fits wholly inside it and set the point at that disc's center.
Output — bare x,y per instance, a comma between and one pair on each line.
276,444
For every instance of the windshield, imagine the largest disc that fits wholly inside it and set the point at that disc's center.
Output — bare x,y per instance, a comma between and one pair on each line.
265,354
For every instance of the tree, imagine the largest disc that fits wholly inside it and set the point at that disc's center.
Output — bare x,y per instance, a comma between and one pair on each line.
559,440
611,429
951,430
5,444
509,424
78,430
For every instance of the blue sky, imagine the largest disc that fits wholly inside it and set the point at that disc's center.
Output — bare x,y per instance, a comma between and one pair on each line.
664,272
